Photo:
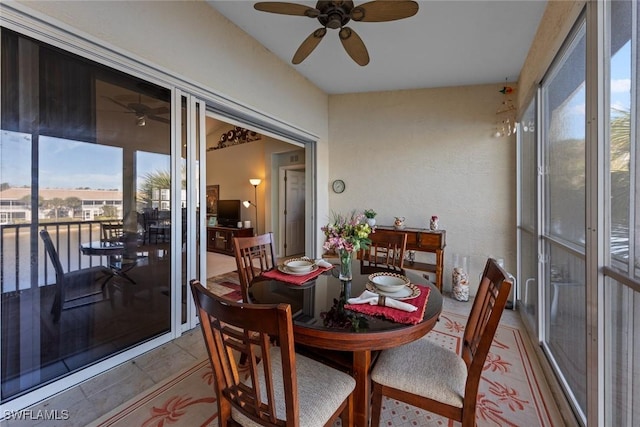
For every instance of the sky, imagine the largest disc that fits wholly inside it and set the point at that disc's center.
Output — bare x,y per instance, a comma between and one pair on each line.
70,164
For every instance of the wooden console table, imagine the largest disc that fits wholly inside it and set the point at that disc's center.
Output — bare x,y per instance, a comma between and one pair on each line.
220,239
423,240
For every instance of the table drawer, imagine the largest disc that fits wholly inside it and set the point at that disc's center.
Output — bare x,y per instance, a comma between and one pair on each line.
425,241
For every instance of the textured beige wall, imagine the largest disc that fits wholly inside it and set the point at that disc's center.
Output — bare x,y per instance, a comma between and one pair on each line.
557,21
429,152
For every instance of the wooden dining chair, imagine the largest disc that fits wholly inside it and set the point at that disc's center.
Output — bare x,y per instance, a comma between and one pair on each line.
385,253
76,288
282,388
254,255
112,232
436,379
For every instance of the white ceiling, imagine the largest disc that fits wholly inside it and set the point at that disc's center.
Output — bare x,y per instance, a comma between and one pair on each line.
447,43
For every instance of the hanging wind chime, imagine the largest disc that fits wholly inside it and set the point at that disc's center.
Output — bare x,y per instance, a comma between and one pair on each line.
505,122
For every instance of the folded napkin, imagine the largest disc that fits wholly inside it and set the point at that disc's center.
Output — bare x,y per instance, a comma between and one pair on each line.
322,263
368,297
278,275
388,311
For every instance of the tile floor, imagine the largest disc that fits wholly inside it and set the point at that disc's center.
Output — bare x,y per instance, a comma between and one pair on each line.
91,399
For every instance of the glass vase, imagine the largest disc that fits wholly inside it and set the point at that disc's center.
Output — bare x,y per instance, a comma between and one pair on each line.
345,265
345,293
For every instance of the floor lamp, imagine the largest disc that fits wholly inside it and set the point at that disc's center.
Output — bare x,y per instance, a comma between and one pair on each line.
255,182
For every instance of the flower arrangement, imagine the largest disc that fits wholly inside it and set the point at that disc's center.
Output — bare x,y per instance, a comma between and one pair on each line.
347,233
370,213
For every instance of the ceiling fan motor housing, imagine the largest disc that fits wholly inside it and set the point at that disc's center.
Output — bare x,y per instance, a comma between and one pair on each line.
334,14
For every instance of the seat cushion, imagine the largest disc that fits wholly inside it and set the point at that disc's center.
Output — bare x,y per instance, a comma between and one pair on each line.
424,369
321,391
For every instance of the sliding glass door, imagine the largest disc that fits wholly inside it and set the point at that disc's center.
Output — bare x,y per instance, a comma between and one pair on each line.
579,230
563,218
528,297
622,266
84,148
192,136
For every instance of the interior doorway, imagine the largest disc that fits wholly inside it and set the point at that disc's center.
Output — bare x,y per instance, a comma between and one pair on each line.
292,209
230,164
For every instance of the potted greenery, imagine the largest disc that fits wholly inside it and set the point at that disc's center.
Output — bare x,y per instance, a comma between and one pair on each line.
370,214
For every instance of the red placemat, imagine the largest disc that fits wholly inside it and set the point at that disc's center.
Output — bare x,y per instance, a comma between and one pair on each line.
394,314
276,274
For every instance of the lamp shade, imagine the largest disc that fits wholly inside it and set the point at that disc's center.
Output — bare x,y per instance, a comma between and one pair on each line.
255,181
246,203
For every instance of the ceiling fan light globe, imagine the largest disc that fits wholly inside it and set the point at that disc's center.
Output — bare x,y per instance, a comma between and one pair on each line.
357,13
345,33
312,13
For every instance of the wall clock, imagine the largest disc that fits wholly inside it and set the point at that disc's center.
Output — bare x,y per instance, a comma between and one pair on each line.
338,186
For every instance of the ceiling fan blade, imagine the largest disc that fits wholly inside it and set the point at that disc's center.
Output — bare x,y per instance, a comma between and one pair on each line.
158,119
308,45
117,102
354,46
382,11
285,8
158,110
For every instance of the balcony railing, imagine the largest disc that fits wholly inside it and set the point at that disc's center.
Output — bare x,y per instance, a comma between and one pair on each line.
23,261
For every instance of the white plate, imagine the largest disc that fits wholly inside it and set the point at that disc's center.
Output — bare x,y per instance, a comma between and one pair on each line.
285,270
408,292
299,265
389,282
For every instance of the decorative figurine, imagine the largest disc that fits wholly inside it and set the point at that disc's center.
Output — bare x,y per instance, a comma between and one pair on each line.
433,224
398,224
410,256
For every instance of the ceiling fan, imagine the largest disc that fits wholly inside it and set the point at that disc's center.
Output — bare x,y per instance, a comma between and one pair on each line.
143,111
337,14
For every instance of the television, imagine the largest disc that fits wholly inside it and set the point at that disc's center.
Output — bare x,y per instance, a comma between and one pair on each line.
228,213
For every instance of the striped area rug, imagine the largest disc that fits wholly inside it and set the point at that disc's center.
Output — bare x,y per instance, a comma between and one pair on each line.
512,391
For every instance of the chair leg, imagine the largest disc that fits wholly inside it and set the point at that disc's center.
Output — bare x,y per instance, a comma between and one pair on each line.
347,413
56,307
376,405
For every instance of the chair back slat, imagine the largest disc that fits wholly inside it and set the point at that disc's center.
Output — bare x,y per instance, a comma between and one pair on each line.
483,321
53,254
231,328
254,255
386,250
112,231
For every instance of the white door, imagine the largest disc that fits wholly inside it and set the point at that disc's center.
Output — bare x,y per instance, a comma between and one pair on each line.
292,213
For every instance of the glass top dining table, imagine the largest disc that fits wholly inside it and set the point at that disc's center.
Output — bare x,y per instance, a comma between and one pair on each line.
357,335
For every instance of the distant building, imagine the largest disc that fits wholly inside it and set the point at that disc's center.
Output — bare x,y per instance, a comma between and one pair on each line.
15,206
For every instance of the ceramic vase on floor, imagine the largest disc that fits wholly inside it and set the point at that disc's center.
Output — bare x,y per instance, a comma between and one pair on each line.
460,278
